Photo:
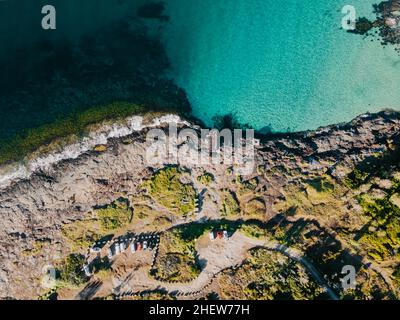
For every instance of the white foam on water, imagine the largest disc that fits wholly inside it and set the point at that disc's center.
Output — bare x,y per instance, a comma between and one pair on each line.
19,171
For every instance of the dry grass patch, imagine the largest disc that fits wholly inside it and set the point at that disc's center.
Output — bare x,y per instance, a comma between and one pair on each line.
267,275
167,189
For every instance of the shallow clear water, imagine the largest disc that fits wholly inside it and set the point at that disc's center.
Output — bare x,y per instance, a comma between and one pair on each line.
282,64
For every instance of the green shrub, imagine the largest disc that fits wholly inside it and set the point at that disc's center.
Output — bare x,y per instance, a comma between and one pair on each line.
229,204
396,275
253,230
267,275
255,208
166,188
176,259
115,216
356,178
321,185
71,270
384,241
206,178
246,187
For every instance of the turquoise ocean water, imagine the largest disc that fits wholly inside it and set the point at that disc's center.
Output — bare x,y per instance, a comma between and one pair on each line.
283,64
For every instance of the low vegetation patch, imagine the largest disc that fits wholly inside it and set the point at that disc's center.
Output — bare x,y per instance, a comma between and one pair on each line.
101,267
176,259
82,234
37,247
375,166
71,270
382,237
253,230
319,198
319,247
396,275
229,204
255,209
319,189
206,178
246,187
115,216
268,275
166,188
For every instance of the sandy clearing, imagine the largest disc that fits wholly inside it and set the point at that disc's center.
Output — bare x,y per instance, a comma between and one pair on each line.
217,255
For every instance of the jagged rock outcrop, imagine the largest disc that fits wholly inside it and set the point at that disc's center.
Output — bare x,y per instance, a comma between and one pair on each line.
387,21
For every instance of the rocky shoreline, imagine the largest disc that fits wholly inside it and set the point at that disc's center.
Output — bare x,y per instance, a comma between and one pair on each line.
387,22
40,160
34,210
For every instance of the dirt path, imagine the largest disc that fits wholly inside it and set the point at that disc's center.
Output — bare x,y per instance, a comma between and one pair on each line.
367,263
297,256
